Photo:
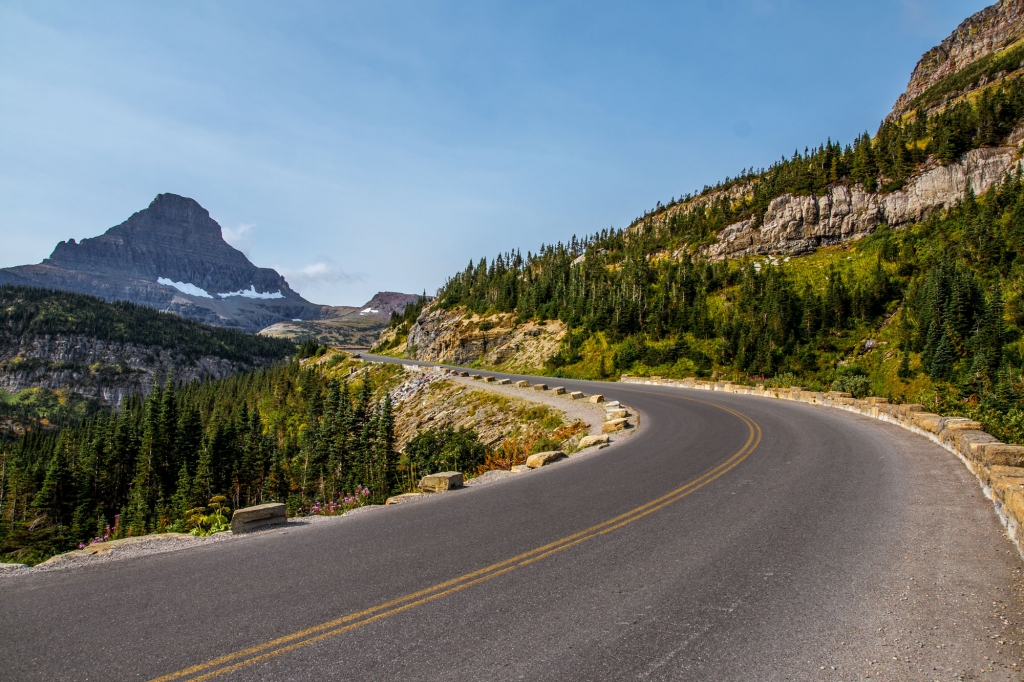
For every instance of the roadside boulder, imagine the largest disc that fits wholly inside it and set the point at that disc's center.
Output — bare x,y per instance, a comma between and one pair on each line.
614,425
405,497
591,441
250,518
544,458
445,480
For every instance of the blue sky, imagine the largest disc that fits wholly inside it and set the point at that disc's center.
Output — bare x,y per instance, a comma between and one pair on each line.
359,147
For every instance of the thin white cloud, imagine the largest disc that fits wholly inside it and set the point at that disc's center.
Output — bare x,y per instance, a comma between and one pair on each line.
239,237
321,271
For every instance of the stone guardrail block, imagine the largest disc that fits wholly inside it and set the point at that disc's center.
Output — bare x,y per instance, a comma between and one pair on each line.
558,390
597,398
522,384
577,395
445,480
613,425
540,387
250,518
591,441
504,382
544,458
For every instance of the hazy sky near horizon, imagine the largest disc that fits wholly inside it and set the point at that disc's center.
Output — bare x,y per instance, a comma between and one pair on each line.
359,147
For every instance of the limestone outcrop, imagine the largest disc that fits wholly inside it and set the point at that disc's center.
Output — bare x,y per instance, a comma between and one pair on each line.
450,336
796,225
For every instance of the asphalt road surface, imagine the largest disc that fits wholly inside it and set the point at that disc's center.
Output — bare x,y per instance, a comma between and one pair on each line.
732,538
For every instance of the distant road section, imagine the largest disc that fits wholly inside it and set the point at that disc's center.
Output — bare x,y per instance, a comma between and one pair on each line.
733,538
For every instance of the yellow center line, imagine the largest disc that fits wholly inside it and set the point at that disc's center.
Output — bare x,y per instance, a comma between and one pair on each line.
302,638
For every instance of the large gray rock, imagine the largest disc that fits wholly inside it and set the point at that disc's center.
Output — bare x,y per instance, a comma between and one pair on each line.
261,515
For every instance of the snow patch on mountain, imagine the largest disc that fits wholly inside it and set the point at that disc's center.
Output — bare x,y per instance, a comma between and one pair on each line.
252,293
184,287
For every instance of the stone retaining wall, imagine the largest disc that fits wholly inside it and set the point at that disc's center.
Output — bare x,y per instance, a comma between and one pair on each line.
998,467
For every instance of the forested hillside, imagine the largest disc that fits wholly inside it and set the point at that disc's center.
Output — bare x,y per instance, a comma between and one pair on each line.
278,434
929,312
29,312
65,355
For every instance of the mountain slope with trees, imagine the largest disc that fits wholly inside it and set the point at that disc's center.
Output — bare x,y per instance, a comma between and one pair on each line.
929,312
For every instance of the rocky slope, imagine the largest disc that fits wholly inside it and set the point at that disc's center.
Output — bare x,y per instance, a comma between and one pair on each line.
982,35
171,256
960,67
63,341
797,224
451,336
99,369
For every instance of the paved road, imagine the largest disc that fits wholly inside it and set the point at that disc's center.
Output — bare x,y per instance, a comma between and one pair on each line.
733,538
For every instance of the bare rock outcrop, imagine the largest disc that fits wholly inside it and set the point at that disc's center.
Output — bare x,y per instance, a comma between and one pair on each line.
979,36
100,369
450,336
796,224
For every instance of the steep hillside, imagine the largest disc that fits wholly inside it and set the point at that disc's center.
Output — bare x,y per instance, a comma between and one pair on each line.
60,341
170,256
890,266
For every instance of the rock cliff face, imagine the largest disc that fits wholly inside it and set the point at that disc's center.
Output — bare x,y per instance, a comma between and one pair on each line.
979,36
451,337
170,256
795,225
99,369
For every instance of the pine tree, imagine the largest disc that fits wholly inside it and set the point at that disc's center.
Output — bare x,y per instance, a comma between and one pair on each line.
942,360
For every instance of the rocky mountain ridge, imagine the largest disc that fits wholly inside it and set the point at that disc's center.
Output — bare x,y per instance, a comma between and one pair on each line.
981,35
172,256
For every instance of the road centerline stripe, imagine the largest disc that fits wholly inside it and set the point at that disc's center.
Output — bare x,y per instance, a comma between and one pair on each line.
230,662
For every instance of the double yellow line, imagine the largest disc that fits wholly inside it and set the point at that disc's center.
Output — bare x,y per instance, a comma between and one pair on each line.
282,645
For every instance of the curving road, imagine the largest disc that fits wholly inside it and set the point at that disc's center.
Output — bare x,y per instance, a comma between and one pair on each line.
733,538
